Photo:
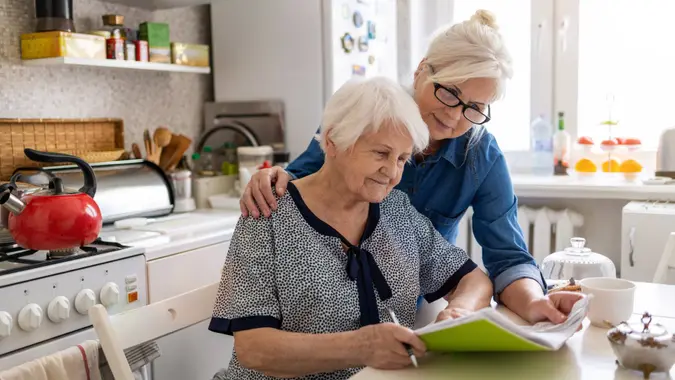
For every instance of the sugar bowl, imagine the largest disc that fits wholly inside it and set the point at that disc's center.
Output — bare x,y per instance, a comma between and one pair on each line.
646,347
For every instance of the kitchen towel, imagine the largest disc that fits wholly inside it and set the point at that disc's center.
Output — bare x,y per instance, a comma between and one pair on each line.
80,362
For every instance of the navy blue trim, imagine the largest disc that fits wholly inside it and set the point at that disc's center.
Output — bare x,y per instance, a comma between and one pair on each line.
230,326
324,228
361,266
452,282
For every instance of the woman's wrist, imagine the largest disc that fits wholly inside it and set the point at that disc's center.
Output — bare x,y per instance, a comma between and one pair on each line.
357,348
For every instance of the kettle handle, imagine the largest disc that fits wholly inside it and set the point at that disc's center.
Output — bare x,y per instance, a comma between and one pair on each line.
89,187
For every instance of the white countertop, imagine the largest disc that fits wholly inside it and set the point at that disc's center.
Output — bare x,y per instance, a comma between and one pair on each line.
587,355
598,186
178,232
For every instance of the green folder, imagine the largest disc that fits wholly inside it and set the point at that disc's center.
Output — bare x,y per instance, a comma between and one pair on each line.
480,335
490,330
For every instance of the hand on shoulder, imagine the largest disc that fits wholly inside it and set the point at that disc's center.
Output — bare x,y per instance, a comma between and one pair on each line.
258,197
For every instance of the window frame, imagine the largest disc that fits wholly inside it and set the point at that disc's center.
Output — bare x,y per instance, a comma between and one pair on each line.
566,63
542,63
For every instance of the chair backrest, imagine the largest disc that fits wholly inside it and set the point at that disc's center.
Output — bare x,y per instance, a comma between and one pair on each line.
121,331
666,262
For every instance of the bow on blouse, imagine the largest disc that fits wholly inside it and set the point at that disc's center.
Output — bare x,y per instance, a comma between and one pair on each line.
362,268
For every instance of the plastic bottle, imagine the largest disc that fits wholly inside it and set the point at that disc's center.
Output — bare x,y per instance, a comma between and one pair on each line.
229,166
541,146
562,144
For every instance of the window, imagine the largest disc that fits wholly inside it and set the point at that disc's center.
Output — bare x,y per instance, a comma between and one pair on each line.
527,28
511,116
618,64
626,54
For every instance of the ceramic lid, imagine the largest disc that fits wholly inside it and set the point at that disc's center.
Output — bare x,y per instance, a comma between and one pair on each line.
644,332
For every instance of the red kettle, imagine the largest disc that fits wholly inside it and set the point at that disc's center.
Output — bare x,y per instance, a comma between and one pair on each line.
54,218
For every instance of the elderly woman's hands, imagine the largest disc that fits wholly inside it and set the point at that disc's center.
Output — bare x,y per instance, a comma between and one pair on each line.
258,193
383,346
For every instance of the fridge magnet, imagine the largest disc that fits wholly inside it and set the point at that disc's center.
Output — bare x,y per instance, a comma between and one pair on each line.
358,19
359,70
346,11
363,43
371,59
347,42
371,30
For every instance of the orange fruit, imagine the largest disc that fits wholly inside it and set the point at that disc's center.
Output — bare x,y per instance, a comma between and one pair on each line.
585,165
630,166
610,166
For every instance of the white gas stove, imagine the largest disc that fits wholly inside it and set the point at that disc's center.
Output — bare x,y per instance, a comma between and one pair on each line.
45,298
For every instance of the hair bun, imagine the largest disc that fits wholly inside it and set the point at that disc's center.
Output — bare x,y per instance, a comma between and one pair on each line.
486,18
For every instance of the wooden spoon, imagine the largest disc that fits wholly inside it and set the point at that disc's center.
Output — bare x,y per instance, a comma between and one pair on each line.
160,139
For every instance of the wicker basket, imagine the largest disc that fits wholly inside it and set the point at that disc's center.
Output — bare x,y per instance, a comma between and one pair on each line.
93,140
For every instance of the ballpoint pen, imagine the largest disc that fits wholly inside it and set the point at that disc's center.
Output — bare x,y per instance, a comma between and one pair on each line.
408,348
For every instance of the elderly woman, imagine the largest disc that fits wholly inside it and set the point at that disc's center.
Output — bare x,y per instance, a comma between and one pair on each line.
465,70
307,291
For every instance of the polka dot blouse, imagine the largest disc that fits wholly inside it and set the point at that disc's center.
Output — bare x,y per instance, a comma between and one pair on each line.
291,272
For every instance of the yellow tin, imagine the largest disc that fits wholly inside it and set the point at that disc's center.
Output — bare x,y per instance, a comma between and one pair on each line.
62,44
189,54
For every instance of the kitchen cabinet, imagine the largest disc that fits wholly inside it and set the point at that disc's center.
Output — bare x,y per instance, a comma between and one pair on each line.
160,4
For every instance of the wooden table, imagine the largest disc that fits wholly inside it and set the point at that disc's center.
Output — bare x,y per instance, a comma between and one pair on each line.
587,355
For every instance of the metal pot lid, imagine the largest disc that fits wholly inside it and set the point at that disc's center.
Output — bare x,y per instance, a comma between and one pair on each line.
644,332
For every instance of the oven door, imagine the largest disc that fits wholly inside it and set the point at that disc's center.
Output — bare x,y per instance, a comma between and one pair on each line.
51,347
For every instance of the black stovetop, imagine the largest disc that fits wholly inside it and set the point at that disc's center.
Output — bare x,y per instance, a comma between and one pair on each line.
14,259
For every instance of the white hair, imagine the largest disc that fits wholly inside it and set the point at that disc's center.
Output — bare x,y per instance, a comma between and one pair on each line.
362,106
470,49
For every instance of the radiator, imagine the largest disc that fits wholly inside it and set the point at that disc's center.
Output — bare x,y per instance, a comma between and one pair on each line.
545,231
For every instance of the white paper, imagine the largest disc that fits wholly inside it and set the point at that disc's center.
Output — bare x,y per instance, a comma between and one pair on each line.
546,334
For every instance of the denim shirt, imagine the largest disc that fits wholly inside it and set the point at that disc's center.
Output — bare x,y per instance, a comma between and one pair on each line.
445,184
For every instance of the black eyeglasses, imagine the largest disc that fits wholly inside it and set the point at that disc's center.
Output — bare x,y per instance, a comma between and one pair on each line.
450,98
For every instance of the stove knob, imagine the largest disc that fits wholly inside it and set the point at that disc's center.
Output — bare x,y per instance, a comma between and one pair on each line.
5,324
59,309
84,300
110,294
30,317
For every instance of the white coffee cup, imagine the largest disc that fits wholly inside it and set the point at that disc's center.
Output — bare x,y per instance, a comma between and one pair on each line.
612,300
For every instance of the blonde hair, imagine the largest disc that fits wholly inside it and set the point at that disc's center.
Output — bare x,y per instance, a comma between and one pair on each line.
470,49
362,106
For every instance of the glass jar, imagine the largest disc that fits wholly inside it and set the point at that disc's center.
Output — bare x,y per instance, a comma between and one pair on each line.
251,159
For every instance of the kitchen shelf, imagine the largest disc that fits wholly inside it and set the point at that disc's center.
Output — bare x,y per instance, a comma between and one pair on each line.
116,64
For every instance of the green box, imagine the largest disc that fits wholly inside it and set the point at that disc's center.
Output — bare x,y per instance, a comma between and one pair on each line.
156,33
159,41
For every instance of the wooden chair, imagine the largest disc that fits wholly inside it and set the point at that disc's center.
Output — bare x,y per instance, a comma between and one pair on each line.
666,262
121,331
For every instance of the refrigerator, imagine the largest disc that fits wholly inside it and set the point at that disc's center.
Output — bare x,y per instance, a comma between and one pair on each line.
299,52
